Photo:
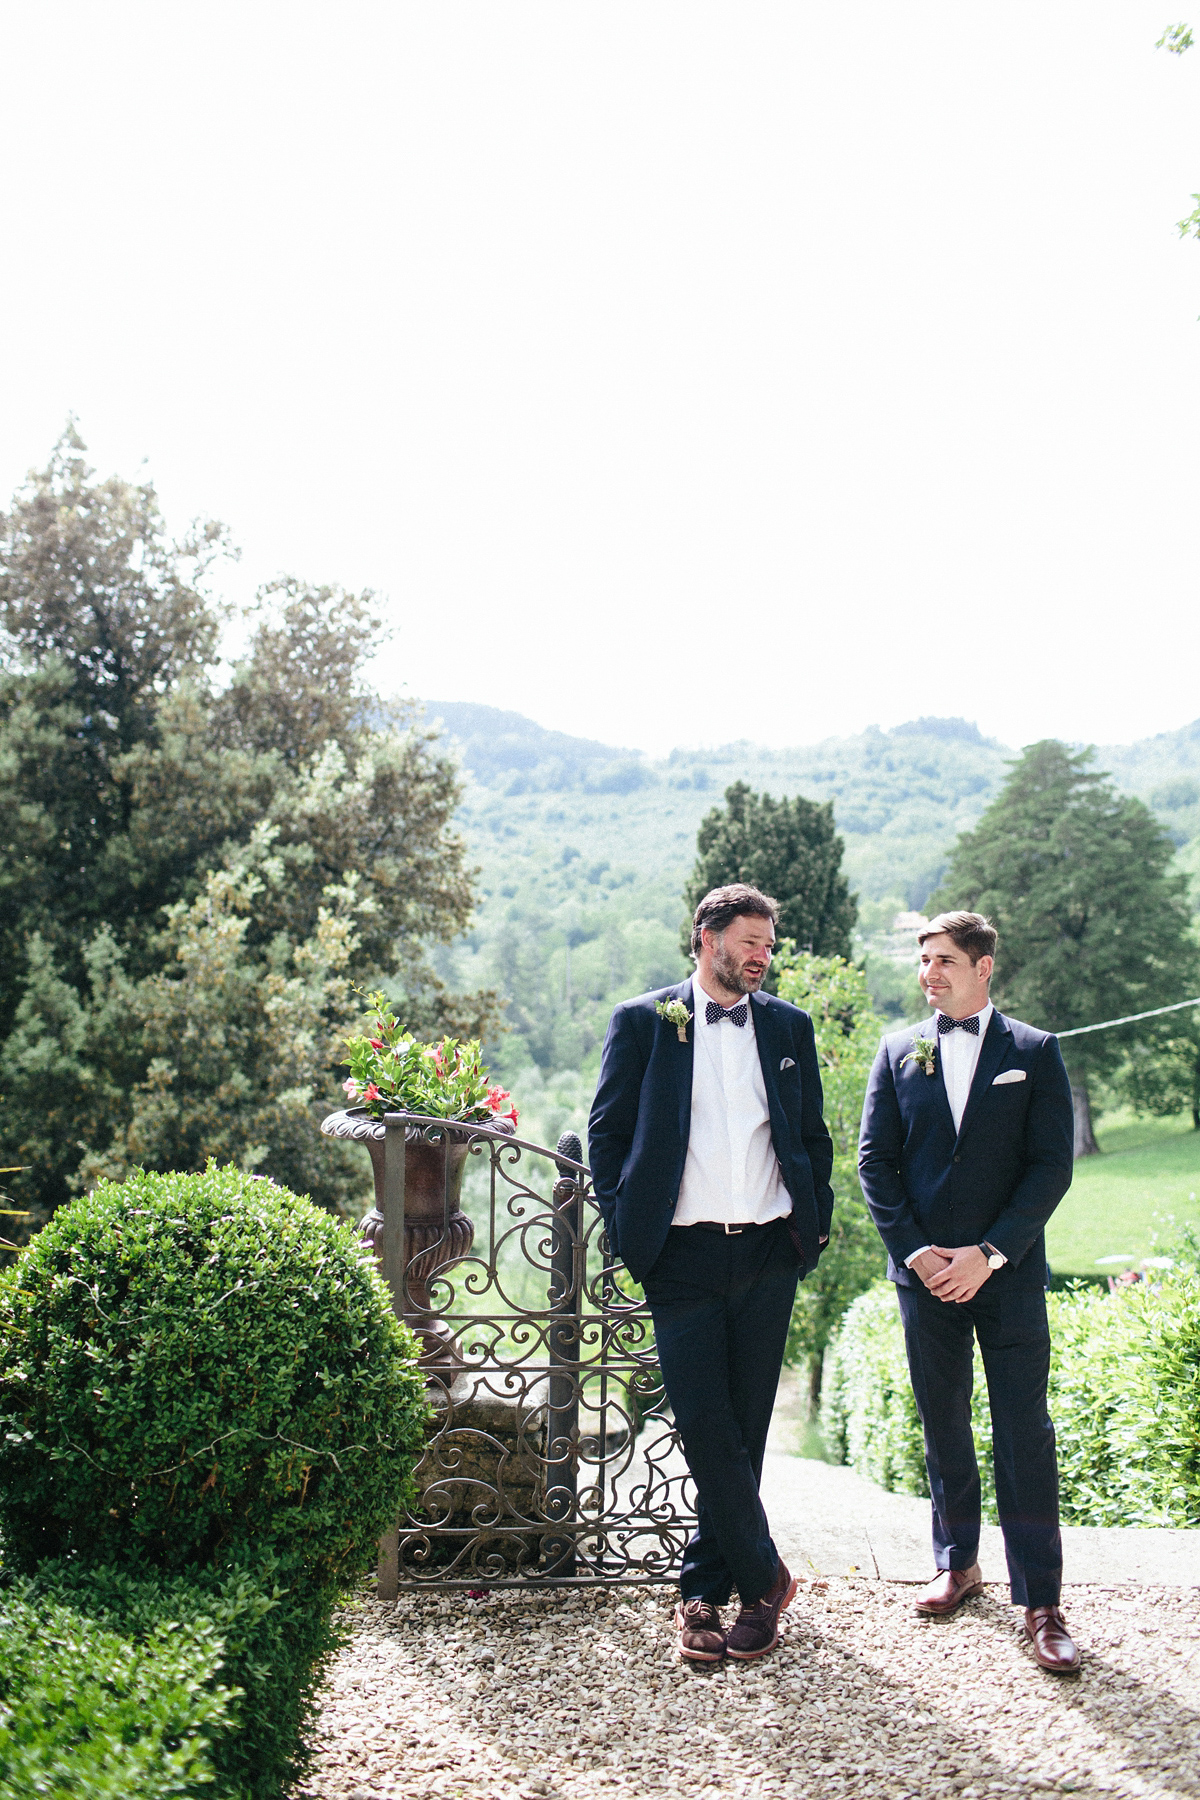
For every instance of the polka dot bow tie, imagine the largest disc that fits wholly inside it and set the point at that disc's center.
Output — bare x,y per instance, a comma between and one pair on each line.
735,1014
971,1024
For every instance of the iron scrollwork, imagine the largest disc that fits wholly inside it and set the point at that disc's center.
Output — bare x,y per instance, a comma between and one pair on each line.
552,1458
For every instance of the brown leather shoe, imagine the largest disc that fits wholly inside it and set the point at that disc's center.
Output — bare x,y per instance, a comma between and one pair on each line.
701,1635
947,1591
755,1631
1051,1640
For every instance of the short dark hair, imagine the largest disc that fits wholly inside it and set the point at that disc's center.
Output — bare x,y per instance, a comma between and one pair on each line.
968,931
721,906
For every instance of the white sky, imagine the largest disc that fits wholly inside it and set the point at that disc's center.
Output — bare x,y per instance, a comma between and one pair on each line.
840,363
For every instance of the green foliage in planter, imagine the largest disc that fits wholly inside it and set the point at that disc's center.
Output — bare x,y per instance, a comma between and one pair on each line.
249,1649
196,1369
1124,1397
86,1709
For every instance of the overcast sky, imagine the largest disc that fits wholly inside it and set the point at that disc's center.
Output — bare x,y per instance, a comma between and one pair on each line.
678,372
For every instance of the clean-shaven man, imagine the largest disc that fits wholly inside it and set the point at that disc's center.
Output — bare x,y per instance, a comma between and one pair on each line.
966,1149
711,1164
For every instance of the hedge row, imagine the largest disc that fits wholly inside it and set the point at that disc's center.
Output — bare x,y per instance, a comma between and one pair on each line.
1124,1397
115,1683
208,1416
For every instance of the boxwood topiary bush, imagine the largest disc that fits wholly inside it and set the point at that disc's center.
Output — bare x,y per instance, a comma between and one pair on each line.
202,1371
86,1709
154,1683
1124,1397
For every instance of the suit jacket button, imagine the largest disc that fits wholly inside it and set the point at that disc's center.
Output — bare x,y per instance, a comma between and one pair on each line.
958,1159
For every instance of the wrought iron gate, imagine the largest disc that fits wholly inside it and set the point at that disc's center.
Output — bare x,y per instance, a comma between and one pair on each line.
552,1458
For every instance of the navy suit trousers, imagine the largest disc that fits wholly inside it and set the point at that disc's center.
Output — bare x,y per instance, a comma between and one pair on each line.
721,1307
1014,1341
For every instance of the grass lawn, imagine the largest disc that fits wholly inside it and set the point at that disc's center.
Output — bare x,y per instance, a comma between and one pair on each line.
1149,1170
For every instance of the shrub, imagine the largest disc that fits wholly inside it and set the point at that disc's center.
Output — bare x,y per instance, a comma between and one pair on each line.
1124,1397
84,1709
868,1416
198,1371
249,1649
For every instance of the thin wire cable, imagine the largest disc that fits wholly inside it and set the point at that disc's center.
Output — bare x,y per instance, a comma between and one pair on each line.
1156,1012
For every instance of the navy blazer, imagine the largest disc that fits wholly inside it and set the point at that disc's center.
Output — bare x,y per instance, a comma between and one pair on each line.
642,1118
999,1177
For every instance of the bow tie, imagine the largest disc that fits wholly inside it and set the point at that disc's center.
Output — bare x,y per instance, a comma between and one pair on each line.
736,1015
946,1024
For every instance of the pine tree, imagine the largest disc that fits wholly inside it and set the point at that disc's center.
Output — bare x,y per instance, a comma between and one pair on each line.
1074,877
789,849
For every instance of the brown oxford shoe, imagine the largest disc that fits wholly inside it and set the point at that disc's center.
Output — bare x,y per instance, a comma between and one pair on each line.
756,1628
947,1591
1051,1640
701,1635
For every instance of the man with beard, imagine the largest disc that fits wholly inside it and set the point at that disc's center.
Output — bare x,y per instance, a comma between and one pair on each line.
711,1165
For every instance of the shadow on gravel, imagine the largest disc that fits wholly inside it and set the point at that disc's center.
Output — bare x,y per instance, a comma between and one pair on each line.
534,1698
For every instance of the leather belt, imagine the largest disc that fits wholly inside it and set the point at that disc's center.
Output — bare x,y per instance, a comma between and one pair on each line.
729,1230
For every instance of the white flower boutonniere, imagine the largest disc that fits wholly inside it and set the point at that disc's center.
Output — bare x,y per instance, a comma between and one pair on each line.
675,1013
923,1053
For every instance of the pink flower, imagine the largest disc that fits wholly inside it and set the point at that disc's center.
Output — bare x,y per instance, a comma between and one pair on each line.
350,1087
496,1096
376,1043
511,1114
437,1061
372,1093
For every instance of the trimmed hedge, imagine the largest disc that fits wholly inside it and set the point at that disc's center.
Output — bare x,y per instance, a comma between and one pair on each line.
154,1684
208,1416
194,1367
84,1709
1124,1397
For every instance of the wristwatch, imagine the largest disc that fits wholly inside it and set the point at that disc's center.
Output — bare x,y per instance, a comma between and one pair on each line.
995,1258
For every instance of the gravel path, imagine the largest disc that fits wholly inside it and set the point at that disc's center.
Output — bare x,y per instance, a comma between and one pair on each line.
527,1697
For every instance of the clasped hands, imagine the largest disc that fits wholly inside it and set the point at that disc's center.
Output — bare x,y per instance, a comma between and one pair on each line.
954,1275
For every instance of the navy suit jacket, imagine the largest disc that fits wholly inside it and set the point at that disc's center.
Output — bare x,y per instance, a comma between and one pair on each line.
999,1177
642,1118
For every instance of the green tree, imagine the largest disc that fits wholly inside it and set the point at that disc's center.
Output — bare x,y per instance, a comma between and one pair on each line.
847,1033
786,848
1161,1071
1074,877
103,615
129,784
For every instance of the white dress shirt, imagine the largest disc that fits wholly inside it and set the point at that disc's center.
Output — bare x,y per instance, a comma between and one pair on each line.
731,1174
959,1054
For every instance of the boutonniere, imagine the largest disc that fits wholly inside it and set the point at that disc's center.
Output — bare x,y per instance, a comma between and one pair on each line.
675,1013
923,1053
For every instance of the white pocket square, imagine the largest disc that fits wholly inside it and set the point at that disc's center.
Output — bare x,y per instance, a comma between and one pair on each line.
789,1062
1009,1075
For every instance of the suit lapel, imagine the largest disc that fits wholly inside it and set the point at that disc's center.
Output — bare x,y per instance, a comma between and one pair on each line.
992,1052
768,1048
684,1062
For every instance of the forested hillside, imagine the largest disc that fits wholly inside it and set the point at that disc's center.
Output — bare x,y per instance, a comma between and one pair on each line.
584,850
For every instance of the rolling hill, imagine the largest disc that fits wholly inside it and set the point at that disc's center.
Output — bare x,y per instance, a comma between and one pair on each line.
583,849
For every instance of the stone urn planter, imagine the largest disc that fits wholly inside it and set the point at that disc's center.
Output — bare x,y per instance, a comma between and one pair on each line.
422,1166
